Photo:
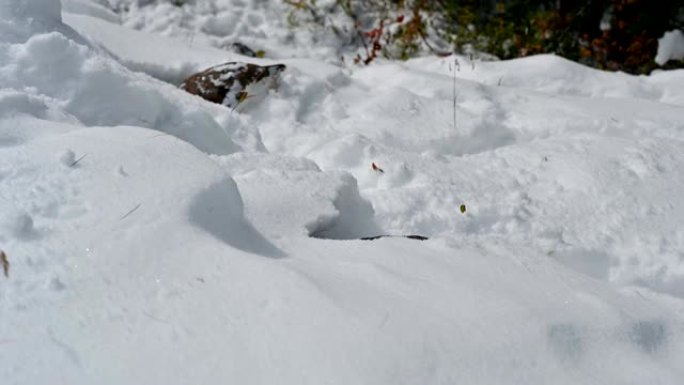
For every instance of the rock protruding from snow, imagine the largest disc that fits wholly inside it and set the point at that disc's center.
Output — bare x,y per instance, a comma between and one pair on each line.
229,83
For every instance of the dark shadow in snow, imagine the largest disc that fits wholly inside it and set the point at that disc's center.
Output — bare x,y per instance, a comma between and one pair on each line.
219,211
650,336
9,141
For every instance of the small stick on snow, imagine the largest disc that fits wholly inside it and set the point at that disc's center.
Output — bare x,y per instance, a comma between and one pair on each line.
131,212
74,163
5,263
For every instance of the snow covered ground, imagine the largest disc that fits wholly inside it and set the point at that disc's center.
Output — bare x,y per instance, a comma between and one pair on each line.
155,238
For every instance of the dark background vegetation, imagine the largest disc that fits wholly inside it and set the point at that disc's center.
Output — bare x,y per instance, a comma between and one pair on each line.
608,34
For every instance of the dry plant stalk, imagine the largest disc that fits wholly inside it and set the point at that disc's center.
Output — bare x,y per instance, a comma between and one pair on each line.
5,263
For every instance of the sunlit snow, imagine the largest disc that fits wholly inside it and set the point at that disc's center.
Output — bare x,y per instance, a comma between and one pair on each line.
156,238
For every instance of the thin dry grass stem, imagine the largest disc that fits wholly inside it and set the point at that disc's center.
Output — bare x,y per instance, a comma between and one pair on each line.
457,67
131,211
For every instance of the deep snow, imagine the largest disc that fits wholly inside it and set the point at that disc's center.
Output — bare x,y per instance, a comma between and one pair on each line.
157,238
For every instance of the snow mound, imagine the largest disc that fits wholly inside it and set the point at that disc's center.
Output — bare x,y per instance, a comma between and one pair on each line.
45,12
112,209
261,25
86,165
548,74
166,59
670,47
308,203
96,90
22,19
90,8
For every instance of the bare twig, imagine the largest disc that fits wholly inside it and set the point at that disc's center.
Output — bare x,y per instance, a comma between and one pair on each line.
74,163
131,212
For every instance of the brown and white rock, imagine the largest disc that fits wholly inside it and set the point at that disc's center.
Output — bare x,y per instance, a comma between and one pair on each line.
230,83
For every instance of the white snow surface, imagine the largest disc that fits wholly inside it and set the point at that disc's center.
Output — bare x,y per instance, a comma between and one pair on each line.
670,47
155,238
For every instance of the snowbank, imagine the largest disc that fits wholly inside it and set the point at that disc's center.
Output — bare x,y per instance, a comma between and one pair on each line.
95,89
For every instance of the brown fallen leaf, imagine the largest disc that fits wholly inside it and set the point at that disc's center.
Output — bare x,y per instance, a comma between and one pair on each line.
5,263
